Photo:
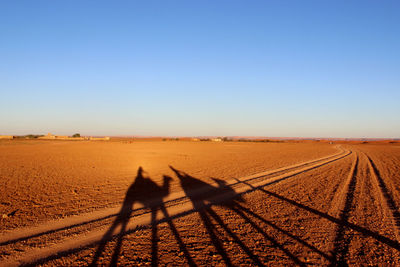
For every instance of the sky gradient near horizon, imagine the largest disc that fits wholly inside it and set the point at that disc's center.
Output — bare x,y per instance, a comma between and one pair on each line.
197,68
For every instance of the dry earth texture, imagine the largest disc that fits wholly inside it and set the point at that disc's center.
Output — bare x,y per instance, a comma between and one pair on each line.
198,203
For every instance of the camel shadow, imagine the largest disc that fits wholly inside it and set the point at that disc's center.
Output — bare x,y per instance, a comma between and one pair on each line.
151,195
145,191
203,197
224,195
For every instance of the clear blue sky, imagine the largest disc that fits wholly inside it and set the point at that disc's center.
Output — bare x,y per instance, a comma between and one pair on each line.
259,68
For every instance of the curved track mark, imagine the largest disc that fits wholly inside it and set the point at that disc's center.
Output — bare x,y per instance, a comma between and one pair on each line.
97,216
86,239
342,207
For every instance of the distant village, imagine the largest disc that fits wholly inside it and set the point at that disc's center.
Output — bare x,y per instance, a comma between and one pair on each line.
78,137
49,136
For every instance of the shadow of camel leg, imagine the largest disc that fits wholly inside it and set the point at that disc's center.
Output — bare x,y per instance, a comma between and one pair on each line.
177,237
235,237
301,241
269,238
154,241
107,236
214,238
117,250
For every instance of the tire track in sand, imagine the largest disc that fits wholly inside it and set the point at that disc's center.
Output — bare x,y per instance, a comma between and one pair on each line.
81,241
98,216
341,208
388,205
348,218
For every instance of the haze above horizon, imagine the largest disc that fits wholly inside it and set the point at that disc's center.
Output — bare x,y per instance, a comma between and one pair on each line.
206,68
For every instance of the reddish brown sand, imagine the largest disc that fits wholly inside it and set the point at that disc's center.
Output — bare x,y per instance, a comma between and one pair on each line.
51,179
339,210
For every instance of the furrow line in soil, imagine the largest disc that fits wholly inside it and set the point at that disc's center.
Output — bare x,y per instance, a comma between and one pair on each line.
341,208
172,199
388,205
81,241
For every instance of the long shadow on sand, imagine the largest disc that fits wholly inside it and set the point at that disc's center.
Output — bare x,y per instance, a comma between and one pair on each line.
342,222
203,197
225,196
145,191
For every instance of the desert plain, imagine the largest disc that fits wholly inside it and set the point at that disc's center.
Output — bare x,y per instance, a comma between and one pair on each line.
154,202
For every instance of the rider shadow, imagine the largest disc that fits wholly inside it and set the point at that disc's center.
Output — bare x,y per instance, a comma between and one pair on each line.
203,196
145,191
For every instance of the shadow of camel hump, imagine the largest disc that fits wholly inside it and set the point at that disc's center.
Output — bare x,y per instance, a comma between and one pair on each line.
220,222
225,196
145,191
201,193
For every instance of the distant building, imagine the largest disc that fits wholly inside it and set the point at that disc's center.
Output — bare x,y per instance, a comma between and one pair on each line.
216,139
62,137
106,138
49,136
8,137
195,139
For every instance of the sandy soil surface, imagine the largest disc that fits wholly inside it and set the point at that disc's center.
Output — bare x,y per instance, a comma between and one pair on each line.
336,207
40,180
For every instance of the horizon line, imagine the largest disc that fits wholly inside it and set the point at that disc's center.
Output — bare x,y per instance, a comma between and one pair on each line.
249,137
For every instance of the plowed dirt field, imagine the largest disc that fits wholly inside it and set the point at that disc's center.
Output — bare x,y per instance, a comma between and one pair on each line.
198,203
